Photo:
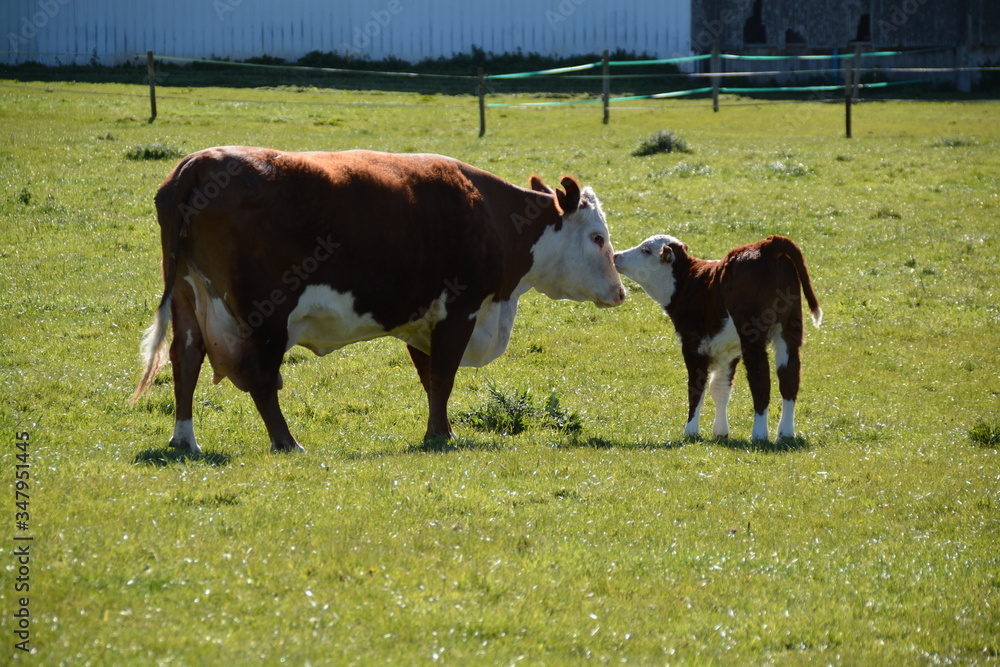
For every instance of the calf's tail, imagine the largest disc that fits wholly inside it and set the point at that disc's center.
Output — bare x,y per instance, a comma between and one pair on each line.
789,248
173,212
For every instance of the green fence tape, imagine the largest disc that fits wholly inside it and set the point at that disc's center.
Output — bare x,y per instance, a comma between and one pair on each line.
662,61
544,72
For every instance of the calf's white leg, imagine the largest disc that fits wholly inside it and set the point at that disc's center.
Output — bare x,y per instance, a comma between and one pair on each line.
722,388
786,426
759,426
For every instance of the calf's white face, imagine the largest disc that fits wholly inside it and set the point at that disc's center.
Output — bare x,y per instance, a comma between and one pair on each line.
651,265
577,262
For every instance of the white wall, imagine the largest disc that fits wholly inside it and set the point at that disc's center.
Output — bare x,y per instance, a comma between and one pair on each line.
409,29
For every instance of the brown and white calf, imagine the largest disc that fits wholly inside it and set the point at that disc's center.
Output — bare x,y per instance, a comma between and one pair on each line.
731,308
265,249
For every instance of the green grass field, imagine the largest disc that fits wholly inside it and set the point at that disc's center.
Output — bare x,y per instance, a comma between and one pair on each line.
872,539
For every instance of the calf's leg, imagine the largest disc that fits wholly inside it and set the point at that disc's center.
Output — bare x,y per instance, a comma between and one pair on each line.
789,368
697,368
722,388
759,378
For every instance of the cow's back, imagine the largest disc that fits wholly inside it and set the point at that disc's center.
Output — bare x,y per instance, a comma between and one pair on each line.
394,231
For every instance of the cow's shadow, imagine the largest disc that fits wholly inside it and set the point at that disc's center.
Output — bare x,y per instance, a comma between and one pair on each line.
462,444
163,456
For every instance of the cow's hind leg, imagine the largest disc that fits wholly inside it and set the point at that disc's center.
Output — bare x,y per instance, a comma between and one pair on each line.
187,352
789,367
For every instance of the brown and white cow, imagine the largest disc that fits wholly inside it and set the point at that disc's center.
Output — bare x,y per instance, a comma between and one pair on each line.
264,249
728,308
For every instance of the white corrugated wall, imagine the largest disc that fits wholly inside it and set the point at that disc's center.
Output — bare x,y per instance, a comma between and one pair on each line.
73,31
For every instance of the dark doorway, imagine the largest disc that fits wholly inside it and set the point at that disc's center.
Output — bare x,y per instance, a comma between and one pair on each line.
754,31
864,29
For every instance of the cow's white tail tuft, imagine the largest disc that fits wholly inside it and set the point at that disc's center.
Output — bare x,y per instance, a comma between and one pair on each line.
817,316
154,349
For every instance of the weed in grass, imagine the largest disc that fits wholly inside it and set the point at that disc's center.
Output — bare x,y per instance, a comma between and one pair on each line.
954,142
986,433
155,151
687,170
664,141
515,413
886,213
787,169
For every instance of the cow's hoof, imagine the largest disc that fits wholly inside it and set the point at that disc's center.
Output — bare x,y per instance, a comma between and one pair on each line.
287,446
191,448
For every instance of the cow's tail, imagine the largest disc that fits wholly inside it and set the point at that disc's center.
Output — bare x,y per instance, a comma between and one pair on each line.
171,204
789,248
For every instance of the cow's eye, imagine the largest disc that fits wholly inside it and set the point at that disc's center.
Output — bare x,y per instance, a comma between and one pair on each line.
598,239
645,251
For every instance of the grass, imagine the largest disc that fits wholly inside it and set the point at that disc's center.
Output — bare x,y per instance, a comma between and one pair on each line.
870,540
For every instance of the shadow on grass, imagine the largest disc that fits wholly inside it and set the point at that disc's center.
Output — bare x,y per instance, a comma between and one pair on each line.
464,444
782,446
165,456
611,443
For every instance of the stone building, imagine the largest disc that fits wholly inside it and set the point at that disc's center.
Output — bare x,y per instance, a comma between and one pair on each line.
939,33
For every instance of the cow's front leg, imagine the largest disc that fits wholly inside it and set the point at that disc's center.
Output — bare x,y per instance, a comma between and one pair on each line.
265,397
448,342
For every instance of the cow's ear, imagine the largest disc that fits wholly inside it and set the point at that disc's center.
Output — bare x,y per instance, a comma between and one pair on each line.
539,186
569,201
666,254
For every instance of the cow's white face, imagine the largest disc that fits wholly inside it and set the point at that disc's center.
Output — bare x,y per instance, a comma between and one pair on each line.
651,265
577,261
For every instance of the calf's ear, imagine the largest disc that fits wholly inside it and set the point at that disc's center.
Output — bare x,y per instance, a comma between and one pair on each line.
666,254
569,201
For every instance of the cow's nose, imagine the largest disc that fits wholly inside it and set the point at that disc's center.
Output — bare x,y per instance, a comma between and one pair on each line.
621,296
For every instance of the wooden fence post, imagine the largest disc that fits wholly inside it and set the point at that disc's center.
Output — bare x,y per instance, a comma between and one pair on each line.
848,80
856,80
715,79
605,85
482,101
152,85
